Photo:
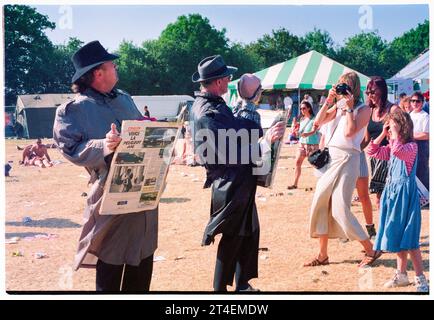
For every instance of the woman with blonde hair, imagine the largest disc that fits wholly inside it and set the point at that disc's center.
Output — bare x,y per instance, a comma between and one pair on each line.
346,117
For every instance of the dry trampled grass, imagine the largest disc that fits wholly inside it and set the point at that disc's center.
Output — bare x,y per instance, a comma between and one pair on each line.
53,199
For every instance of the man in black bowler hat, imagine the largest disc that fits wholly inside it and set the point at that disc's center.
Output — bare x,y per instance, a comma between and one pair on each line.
233,210
86,130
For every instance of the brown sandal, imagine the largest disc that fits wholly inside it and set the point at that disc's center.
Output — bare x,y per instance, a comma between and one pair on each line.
292,187
369,260
316,262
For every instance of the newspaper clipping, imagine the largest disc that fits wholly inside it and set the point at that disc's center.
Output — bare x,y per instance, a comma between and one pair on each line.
139,167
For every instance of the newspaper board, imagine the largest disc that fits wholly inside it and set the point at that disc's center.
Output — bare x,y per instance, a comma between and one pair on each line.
139,167
268,119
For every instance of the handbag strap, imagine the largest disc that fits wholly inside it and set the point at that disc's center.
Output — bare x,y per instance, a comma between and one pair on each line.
355,109
304,127
330,139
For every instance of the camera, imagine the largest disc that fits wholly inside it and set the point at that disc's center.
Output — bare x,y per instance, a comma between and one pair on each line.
342,89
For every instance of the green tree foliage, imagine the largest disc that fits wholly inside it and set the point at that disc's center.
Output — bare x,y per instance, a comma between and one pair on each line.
413,42
62,66
245,62
181,46
27,52
320,41
165,65
138,70
405,48
280,46
361,52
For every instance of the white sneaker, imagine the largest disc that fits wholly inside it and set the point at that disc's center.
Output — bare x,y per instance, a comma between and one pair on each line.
421,283
398,280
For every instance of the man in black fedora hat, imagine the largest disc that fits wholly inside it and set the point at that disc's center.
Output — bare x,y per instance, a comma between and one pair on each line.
233,209
121,247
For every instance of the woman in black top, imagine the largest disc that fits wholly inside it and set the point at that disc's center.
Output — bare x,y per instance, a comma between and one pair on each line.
376,92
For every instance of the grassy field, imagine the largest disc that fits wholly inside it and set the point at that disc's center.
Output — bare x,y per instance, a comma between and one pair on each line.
53,199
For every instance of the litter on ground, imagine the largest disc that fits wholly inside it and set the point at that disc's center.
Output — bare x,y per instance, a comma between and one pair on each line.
159,258
40,255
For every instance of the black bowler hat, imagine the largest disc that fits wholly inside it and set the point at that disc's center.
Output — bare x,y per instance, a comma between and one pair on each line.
89,56
212,68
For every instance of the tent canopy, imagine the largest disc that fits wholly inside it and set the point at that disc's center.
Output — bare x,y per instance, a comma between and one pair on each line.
35,113
416,70
52,100
311,70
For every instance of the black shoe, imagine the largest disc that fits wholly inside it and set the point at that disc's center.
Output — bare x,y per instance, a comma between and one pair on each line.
371,231
249,288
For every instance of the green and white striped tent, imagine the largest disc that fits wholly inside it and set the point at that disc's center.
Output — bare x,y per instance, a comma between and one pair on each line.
311,70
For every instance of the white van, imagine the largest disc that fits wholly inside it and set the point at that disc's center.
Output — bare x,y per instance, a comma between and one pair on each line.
162,107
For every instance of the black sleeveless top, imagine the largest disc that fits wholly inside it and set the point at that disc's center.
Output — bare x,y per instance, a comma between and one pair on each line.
376,127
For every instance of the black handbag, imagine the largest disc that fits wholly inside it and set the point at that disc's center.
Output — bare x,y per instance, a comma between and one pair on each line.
319,158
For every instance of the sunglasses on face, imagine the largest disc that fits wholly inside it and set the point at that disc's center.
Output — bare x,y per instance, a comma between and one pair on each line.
415,100
369,92
303,108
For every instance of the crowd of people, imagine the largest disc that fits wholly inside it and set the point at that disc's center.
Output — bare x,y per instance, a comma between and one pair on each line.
121,247
396,139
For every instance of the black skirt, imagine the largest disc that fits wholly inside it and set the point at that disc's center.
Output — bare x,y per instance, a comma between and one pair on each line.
379,170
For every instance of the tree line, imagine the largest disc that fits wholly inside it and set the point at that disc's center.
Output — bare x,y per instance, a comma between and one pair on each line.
33,64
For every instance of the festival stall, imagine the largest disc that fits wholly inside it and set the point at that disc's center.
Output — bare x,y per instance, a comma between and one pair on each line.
308,72
413,77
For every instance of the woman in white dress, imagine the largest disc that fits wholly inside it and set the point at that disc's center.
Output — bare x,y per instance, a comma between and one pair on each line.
330,215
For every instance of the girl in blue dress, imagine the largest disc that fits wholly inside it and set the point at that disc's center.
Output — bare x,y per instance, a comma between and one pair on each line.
400,215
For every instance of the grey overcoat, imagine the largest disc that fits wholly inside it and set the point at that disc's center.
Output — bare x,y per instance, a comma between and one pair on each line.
79,129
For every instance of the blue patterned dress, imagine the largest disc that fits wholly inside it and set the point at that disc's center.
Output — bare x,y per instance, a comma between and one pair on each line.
400,216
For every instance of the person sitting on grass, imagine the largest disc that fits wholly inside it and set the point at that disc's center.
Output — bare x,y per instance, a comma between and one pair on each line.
36,155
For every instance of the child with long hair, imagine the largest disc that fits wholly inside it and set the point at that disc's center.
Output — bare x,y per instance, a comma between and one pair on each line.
400,215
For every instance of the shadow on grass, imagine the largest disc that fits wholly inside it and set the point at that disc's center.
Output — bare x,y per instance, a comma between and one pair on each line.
45,223
389,263
10,235
174,200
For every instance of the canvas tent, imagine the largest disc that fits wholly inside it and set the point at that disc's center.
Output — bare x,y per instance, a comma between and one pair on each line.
417,71
35,113
311,70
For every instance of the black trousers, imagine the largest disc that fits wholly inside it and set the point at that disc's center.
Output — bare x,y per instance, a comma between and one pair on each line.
115,278
236,255
422,171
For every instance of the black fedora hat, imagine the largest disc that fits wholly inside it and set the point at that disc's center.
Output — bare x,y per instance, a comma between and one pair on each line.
212,68
89,56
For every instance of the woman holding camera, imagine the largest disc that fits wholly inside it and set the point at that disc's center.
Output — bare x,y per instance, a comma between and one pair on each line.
330,217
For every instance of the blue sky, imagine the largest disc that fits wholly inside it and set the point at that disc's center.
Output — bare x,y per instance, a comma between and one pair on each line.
112,24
